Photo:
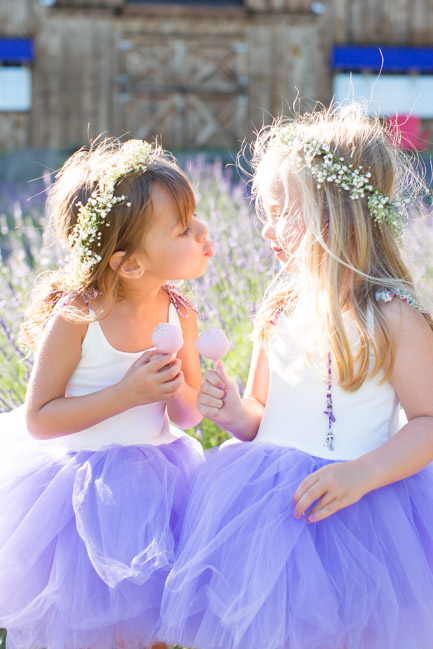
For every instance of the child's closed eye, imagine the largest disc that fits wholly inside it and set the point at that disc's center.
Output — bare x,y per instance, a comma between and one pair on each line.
186,232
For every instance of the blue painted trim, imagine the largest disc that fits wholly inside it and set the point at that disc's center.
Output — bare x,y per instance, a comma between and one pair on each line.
16,50
395,59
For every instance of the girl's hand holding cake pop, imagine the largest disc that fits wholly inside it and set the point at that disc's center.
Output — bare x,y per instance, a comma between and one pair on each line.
157,374
168,340
152,377
218,398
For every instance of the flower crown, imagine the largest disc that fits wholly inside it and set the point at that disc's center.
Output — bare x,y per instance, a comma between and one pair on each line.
327,166
133,156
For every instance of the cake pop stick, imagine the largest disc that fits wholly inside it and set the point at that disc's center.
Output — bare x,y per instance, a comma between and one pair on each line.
167,338
213,344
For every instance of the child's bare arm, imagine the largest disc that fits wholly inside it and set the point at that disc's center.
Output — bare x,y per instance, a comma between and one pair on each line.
50,413
410,450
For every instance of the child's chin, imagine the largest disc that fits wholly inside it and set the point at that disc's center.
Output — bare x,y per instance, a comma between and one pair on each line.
289,265
203,268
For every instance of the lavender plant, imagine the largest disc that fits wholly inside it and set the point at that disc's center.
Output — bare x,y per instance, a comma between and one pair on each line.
24,251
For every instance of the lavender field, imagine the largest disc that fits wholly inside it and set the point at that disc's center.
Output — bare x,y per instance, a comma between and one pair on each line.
227,296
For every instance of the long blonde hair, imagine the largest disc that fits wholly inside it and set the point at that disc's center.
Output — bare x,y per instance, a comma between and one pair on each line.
343,256
129,221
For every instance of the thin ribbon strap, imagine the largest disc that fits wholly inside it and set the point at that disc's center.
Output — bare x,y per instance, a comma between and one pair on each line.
60,303
179,301
387,294
275,315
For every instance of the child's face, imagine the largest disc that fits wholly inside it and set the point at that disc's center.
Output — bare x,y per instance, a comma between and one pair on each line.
171,251
284,227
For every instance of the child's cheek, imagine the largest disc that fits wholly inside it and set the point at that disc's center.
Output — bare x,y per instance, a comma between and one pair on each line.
289,233
285,233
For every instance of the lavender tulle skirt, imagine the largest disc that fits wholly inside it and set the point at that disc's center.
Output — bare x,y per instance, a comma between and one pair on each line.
250,576
87,539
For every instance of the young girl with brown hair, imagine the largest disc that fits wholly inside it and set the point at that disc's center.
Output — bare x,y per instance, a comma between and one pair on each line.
93,483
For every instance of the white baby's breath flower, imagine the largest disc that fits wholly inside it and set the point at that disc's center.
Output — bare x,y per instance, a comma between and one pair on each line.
326,166
132,157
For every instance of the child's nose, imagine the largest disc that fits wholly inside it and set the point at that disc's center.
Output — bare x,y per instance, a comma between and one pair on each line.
268,231
203,231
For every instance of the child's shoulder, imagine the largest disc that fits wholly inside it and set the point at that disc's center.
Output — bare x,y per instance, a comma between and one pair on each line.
71,319
402,312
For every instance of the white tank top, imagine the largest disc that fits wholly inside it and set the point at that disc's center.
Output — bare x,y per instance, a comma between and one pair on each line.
100,366
294,413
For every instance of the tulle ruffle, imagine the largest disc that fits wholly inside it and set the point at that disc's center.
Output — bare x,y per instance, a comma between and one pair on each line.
87,539
250,576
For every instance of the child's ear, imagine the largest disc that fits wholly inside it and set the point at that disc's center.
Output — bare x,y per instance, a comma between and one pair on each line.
131,269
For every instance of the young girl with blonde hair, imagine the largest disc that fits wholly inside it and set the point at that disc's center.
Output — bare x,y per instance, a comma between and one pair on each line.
317,531
93,478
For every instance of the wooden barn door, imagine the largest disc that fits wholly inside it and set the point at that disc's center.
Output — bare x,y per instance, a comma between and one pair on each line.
191,90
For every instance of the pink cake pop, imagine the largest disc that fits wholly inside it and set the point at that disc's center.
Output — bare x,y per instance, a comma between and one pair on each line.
213,344
167,338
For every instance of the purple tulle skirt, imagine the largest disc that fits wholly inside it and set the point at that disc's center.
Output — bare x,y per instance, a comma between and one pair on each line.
250,576
87,540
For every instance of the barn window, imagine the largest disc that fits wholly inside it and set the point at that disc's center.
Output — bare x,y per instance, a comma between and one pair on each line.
396,83
16,54
391,79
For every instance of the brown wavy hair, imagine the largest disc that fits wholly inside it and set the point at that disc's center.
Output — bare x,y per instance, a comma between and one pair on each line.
129,221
